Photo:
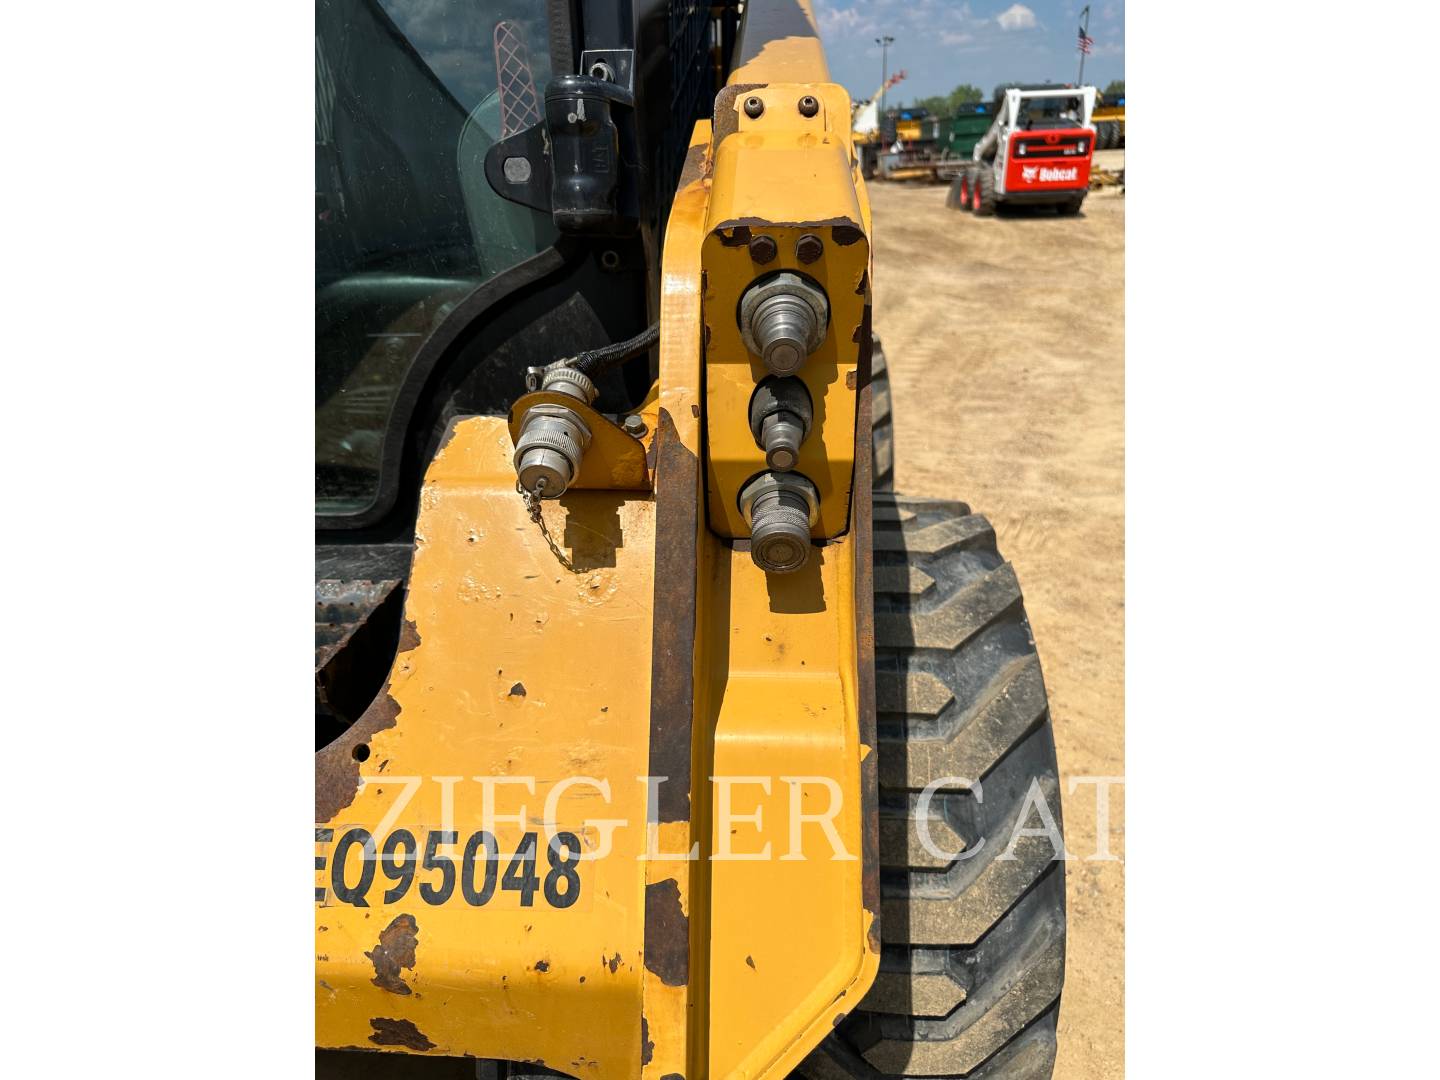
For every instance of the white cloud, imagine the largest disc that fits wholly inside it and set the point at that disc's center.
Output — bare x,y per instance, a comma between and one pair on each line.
1016,17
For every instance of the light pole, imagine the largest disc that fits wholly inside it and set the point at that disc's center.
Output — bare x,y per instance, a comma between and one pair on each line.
884,43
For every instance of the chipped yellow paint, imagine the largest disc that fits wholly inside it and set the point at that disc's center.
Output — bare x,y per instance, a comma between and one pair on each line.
506,682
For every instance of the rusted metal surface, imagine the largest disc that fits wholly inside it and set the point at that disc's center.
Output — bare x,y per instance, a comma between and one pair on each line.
355,636
395,950
390,1032
342,608
667,933
860,518
672,676
337,766
727,117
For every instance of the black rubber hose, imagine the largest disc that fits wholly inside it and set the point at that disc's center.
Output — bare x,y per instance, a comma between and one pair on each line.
562,40
593,361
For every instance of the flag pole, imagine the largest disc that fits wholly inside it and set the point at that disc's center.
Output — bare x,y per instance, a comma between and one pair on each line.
1085,28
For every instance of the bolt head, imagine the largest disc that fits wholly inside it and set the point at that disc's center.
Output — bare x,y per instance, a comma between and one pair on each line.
634,425
808,106
754,107
763,249
809,248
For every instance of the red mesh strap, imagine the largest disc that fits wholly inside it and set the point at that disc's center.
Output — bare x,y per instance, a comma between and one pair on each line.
519,103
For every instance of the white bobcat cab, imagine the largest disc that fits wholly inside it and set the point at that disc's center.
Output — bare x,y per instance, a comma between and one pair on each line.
1036,152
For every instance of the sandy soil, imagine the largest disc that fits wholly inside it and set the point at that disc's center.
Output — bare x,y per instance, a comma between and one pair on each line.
1005,339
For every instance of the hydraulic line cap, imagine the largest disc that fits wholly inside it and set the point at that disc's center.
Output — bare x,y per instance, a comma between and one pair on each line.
783,319
780,417
780,508
553,439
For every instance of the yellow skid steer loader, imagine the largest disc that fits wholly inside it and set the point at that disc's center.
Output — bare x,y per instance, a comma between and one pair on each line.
656,737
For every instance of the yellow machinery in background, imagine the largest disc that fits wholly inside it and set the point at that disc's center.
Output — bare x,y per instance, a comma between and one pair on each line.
616,804
1109,121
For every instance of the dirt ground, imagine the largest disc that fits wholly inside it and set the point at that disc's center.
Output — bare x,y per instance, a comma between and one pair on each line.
1006,344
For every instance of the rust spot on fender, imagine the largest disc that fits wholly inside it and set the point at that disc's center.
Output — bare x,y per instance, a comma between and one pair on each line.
396,950
337,772
542,965
667,933
612,963
409,636
739,236
850,376
751,961
518,690
390,1032
727,117
647,1047
694,167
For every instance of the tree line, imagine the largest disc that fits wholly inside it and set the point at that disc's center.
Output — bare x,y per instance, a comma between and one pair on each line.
965,94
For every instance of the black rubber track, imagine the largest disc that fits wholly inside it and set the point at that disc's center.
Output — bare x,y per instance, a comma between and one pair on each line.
882,444
973,949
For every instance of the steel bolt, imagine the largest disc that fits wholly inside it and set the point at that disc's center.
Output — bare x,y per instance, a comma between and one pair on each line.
809,106
809,248
763,249
634,425
754,107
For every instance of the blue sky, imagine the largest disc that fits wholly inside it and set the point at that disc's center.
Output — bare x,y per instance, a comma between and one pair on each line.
941,44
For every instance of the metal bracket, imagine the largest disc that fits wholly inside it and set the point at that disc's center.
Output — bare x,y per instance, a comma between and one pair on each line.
612,65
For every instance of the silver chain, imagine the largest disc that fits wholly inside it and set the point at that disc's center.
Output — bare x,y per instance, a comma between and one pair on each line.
532,507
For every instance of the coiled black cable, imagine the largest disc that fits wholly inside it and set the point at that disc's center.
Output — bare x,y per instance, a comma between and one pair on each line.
592,362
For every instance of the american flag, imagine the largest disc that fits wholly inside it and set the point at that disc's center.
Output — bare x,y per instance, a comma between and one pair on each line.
1086,41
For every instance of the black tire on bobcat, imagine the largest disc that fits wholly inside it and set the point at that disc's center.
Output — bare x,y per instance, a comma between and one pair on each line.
973,949
958,195
882,432
984,180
